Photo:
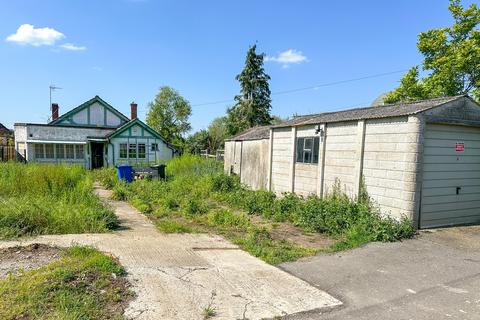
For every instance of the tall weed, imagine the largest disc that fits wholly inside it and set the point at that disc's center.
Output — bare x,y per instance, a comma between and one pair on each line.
49,199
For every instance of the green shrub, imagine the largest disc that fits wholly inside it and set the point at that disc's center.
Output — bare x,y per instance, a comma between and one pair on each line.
258,202
226,218
311,215
286,208
171,203
224,183
194,207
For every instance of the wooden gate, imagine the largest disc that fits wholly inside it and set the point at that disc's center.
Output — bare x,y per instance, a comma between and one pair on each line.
8,153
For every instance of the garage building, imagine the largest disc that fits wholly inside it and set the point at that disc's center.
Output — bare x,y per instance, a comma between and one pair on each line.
420,159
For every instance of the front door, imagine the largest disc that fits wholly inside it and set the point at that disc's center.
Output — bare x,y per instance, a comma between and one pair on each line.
97,155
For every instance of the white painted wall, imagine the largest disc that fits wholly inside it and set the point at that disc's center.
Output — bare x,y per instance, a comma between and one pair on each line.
38,132
81,117
97,117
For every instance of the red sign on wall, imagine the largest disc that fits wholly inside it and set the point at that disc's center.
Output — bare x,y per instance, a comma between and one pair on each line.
459,147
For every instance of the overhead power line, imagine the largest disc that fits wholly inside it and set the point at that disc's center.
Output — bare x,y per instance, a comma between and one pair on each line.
328,84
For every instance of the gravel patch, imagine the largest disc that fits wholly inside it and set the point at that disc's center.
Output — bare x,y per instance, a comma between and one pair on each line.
33,256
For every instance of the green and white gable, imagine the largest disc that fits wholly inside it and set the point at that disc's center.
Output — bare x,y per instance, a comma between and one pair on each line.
136,143
95,112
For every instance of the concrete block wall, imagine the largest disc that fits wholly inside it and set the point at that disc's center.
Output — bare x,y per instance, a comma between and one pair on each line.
282,157
341,156
390,164
385,154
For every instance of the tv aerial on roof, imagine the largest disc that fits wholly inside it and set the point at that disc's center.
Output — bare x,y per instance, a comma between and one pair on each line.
52,87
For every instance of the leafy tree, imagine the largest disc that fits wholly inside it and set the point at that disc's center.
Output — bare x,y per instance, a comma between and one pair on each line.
410,89
211,139
197,141
168,114
277,119
451,60
217,133
252,106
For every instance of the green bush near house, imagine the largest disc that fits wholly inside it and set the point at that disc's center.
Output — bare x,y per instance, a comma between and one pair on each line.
199,191
50,199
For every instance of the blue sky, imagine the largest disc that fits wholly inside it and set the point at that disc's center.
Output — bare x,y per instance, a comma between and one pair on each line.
124,50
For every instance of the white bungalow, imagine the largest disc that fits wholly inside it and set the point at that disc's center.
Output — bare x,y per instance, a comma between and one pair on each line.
94,134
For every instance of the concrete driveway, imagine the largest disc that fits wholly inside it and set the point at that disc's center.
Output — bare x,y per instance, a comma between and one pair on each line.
179,276
435,276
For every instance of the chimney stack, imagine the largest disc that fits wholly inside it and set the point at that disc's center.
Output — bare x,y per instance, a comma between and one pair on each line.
54,111
133,109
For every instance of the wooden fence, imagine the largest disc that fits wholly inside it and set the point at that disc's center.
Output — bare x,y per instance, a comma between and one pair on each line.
8,153
219,154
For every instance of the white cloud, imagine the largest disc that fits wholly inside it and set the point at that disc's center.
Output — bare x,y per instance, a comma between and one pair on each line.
28,34
288,57
72,47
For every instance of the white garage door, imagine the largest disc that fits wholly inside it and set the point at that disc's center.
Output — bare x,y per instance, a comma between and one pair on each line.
451,176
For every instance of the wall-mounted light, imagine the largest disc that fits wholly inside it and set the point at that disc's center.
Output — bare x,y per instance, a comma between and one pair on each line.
319,130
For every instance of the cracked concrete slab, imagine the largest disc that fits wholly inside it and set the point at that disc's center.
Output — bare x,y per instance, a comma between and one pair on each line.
176,276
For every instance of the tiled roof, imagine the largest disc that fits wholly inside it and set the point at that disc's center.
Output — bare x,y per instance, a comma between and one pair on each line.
377,112
255,133
4,129
385,111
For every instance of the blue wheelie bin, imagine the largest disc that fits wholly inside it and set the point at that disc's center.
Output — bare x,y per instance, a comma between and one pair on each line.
125,172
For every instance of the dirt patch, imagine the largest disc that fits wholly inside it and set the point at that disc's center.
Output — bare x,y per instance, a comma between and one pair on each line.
33,256
296,235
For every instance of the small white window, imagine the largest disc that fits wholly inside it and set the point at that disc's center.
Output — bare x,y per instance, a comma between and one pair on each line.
307,150
154,147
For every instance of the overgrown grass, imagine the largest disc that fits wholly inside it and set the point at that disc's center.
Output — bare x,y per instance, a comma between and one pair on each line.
198,194
49,199
171,226
83,284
